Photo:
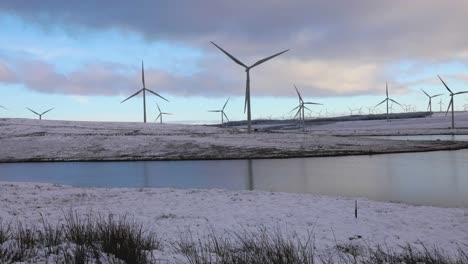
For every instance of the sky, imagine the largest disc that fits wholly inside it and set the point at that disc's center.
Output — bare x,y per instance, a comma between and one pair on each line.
84,57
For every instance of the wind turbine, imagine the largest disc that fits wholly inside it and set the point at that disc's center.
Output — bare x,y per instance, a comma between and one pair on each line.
144,89
41,114
429,106
301,107
452,94
160,116
387,99
223,114
247,87
440,104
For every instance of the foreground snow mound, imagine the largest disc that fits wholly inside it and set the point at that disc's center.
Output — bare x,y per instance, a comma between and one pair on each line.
175,213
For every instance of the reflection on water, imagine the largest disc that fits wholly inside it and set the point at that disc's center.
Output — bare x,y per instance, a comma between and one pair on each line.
430,178
426,137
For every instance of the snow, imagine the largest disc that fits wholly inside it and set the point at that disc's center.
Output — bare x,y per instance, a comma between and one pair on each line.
172,212
34,140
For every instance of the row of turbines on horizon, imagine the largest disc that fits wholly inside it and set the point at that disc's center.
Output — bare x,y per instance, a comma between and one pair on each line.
302,106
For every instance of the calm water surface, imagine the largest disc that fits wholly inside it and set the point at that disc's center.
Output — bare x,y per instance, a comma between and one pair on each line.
430,178
427,137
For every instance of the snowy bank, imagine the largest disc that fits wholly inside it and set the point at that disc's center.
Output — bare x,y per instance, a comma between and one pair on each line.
172,213
34,140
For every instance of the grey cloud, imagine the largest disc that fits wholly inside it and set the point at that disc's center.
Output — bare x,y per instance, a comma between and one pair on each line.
345,30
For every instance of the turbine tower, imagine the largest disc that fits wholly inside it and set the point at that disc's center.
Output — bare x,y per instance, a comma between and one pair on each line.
144,90
247,88
223,114
429,106
388,99
41,114
301,107
452,94
160,116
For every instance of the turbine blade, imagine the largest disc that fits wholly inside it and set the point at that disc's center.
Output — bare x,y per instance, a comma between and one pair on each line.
226,116
159,109
436,95
157,118
143,74
226,103
267,58
47,111
445,84
32,111
295,108
132,95
214,111
229,55
166,113
1,106
381,102
395,102
298,113
450,104
386,88
156,94
461,92
312,103
307,108
298,94
425,92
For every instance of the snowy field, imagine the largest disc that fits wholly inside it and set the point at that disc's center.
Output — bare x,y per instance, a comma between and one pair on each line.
34,140
171,213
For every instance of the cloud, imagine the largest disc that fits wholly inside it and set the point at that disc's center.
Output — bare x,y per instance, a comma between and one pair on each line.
337,48
6,75
217,76
361,30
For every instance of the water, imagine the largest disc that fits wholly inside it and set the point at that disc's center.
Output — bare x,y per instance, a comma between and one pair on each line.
431,178
426,137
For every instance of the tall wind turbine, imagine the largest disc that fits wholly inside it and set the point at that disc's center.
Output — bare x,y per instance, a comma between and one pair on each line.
301,107
387,99
223,114
41,114
429,106
452,94
144,89
247,87
160,116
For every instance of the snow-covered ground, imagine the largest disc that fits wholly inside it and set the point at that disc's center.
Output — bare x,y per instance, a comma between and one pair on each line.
34,140
171,213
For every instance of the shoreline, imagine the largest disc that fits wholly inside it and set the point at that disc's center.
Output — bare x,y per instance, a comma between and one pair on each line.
24,140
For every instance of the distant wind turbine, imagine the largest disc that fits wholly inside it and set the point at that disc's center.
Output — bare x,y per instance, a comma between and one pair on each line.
144,89
387,99
301,107
452,94
41,114
160,116
247,88
223,114
429,106
440,104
